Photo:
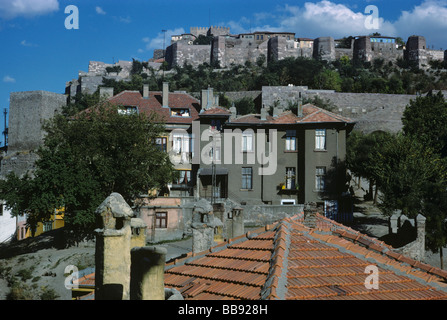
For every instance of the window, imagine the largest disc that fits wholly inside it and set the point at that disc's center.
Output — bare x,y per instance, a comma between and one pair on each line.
320,139
247,178
127,110
47,226
291,140
290,178
161,143
161,220
215,154
181,143
247,142
320,174
180,112
184,178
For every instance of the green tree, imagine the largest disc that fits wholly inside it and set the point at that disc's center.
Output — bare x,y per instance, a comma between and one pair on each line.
328,79
425,119
245,106
85,159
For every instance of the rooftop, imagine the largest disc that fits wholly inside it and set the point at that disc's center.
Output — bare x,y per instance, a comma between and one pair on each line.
153,104
311,114
289,261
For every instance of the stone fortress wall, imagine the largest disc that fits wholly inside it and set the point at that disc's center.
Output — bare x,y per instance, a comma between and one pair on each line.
227,49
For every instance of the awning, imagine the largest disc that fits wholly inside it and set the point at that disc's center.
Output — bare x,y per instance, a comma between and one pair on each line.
209,171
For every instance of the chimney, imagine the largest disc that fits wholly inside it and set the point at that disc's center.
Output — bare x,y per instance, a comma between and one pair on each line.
210,98
233,111
264,113
420,229
310,218
277,111
145,91
204,101
147,273
216,100
300,105
105,92
165,95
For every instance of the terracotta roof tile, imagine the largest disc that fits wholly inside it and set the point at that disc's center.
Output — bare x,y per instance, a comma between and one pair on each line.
291,261
325,263
153,104
311,114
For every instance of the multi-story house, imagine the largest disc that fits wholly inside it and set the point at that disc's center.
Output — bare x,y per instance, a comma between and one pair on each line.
176,110
278,158
283,158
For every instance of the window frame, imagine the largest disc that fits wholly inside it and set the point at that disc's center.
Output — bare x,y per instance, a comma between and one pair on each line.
291,137
290,178
245,145
320,139
247,178
320,179
161,222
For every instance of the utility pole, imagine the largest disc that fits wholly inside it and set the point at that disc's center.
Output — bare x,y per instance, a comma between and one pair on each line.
164,51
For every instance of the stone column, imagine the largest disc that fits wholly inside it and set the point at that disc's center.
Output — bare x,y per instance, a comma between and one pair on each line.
112,256
147,273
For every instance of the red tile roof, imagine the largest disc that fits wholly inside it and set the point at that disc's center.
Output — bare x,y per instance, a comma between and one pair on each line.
216,111
291,261
311,114
153,104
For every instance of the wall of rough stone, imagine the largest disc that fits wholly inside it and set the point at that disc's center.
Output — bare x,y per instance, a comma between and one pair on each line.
181,52
238,51
27,112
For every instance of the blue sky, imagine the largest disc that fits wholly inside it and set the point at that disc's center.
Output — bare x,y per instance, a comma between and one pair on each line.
39,53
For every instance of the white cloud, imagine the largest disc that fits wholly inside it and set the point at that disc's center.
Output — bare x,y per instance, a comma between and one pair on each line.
99,10
157,42
126,19
330,18
10,9
27,44
326,18
427,19
9,79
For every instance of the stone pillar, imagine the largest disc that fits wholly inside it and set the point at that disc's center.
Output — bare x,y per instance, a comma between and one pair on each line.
393,228
202,238
138,238
145,91
202,226
420,229
112,257
147,273
165,95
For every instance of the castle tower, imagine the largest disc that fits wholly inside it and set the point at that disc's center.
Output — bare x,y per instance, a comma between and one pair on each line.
324,48
416,51
27,111
362,49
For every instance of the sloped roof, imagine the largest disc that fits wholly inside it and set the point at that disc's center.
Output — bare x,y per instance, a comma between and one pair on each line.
291,261
215,111
311,114
177,100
